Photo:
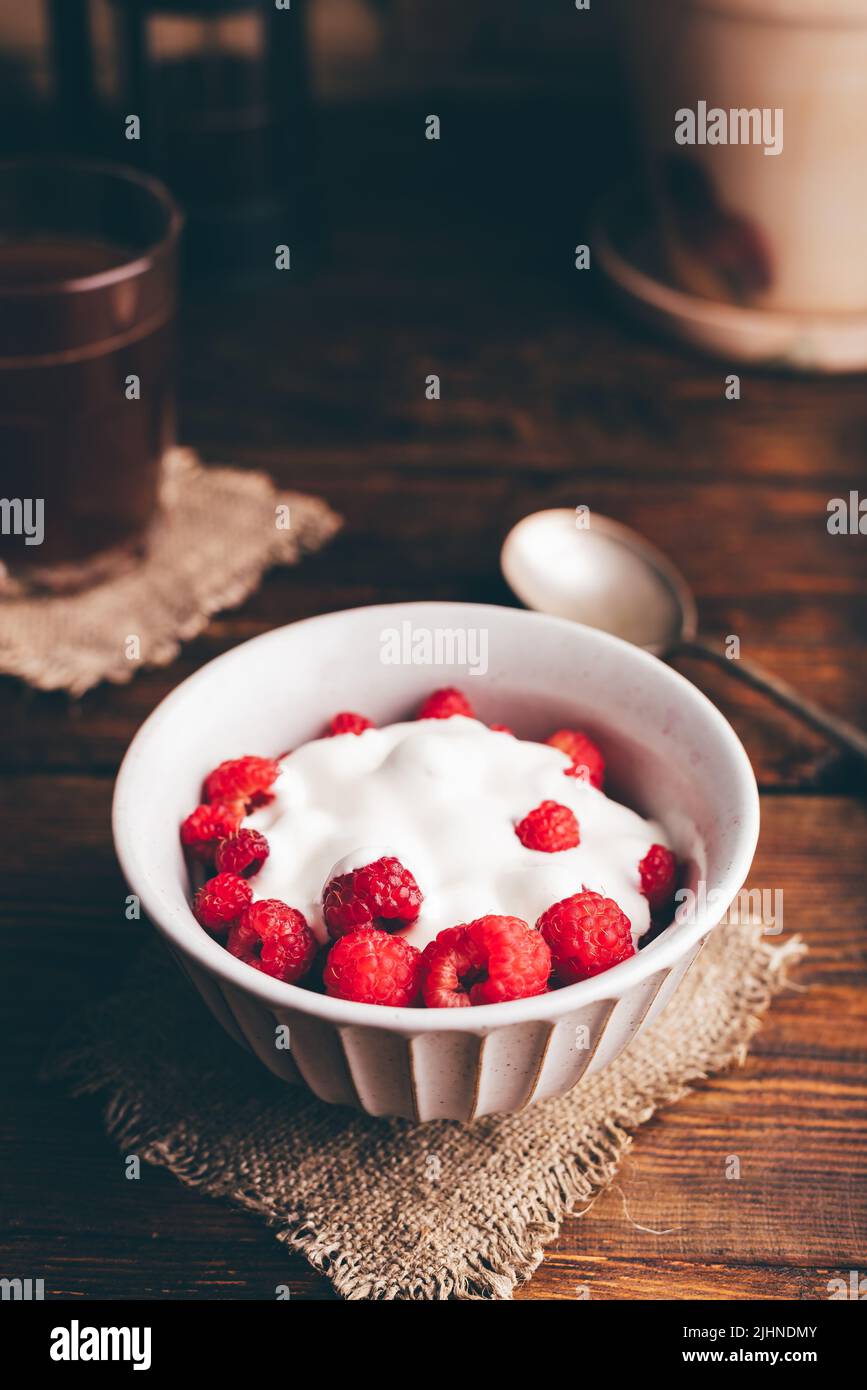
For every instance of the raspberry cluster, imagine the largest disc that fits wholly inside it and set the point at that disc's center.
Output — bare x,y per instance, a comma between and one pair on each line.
269,935
489,960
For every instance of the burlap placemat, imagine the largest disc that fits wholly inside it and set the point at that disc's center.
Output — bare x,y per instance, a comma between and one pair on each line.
388,1209
219,529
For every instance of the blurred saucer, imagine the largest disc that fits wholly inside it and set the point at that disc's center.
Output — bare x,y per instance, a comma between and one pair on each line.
626,247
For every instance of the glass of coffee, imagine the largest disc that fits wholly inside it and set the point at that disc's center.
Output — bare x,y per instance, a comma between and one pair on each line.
87,297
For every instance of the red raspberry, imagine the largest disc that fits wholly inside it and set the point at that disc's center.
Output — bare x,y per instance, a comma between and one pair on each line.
383,894
373,968
242,783
658,870
449,961
442,704
244,853
203,830
275,939
501,729
587,934
487,961
349,723
549,827
588,763
221,901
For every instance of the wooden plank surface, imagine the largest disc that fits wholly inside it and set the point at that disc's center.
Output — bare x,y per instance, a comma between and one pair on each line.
549,399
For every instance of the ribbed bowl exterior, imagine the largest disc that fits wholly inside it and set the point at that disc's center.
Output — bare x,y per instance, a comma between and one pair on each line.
437,1076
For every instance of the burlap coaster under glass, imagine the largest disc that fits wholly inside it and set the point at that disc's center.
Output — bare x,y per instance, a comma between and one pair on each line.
218,530
387,1208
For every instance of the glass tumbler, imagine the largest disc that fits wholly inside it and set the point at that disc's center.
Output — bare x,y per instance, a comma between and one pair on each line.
87,297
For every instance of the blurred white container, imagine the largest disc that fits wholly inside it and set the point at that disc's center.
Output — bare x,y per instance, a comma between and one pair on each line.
783,231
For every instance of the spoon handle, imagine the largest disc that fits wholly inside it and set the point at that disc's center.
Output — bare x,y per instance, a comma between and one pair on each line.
840,730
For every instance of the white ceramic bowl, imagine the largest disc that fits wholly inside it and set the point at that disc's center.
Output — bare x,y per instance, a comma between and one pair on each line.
670,754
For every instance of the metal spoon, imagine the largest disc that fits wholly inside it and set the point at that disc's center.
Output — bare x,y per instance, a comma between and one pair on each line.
593,570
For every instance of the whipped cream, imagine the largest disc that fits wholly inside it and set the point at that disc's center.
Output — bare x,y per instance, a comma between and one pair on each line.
443,796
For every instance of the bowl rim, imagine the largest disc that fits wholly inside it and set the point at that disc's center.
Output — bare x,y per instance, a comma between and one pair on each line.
215,960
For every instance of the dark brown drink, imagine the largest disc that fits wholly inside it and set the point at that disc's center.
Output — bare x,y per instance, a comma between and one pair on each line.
85,366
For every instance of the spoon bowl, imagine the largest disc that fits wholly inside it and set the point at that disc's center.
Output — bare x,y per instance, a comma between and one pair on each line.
586,567
596,571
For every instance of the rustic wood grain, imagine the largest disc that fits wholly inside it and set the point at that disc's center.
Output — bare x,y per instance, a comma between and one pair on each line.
458,261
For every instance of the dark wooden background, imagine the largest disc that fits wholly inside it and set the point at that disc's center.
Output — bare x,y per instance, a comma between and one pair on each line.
456,258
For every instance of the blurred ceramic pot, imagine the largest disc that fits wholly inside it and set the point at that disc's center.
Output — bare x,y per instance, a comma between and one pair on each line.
753,114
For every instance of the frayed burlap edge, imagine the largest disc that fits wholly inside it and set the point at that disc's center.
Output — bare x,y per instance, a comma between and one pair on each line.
707,1030
216,535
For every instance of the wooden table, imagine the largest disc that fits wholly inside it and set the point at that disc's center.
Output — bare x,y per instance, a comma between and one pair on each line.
457,259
